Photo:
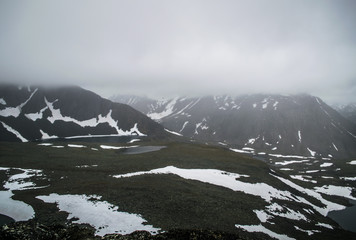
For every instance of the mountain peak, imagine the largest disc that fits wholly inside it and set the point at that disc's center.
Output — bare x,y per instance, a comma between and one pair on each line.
35,113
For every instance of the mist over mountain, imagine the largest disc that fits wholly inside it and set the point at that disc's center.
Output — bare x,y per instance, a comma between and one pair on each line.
35,113
296,124
347,110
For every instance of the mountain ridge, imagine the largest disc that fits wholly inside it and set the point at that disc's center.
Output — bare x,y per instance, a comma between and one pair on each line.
295,124
36,113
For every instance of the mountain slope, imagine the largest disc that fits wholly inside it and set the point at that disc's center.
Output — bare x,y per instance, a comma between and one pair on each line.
300,124
34,113
348,111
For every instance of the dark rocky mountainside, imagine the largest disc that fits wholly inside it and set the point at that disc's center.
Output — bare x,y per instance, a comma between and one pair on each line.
34,113
277,124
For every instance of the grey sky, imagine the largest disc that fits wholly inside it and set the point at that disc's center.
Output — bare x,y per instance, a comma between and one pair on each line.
162,48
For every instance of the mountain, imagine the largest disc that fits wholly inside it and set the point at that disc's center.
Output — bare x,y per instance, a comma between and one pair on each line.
276,124
34,113
348,111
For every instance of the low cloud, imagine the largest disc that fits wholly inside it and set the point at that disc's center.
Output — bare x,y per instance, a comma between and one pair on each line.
162,48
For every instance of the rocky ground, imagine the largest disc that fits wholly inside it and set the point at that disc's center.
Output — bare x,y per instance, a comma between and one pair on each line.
33,230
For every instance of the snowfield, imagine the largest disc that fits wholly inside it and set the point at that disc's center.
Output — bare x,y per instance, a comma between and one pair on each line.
262,190
17,210
103,216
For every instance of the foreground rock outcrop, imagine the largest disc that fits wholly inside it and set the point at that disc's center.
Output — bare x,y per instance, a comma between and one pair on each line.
32,230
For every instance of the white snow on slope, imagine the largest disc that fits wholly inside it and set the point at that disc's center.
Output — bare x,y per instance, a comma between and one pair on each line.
265,103
260,228
336,191
252,140
2,101
353,162
326,164
172,132
103,216
290,162
329,206
220,178
275,105
309,232
302,178
36,116
15,111
15,209
184,125
348,178
263,190
45,144
324,225
76,146
19,181
335,147
239,150
278,210
299,136
202,125
13,131
115,147
312,153
288,156
57,116
166,112
46,135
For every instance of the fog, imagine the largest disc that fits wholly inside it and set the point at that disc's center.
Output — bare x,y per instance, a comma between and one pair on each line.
165,48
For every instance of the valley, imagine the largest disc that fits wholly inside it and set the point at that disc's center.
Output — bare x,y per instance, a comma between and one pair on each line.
181,186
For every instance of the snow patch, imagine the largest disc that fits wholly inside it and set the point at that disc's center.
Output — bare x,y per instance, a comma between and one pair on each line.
299,136
2,101
336,191
302,178
309,232
15,111
116,147
353,162
172,132
348,178
13,131
290,162
103,216
275,105
46,135
312,153
76,146
326,164
220,178
324,225
57,116
335,147
45,144
260,228
36,116
17,210
166,112
184,125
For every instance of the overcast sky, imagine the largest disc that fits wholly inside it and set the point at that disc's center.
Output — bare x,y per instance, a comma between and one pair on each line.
162,48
